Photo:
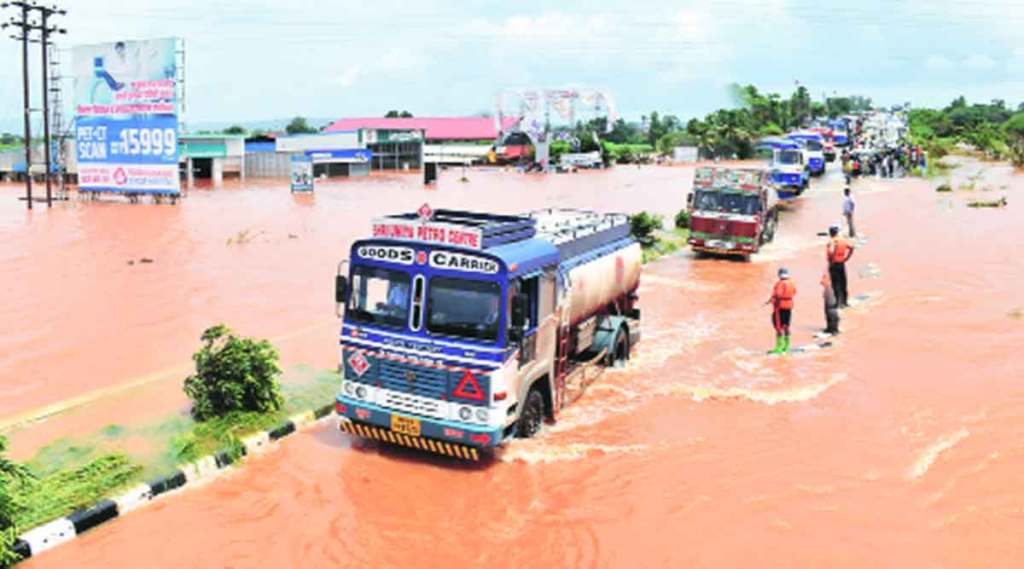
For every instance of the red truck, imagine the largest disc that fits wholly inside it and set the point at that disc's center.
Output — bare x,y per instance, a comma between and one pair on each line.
733,211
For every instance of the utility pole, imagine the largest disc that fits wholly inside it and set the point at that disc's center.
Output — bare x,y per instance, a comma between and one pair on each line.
26,28
46,30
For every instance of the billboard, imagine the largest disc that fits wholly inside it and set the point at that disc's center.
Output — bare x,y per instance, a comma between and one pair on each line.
302,174
126,109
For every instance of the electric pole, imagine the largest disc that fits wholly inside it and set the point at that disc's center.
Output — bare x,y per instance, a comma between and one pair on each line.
26,27
45,31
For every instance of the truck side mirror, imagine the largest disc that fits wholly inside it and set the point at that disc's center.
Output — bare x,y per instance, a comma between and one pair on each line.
342,292
689,199
520,306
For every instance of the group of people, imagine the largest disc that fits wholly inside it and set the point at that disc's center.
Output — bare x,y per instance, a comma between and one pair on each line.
886,162
835,293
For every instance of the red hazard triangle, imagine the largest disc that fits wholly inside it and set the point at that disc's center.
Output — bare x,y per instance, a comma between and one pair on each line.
469,388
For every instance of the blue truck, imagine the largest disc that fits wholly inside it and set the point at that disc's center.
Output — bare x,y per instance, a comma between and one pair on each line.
462,330
814,149
787,162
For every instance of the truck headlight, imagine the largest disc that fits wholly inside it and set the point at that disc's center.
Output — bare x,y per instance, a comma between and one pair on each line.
349,388
481,415
465,413
361,392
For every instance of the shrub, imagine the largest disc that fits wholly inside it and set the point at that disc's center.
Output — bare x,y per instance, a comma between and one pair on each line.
683,219
643,225
233,374
944,188
10,473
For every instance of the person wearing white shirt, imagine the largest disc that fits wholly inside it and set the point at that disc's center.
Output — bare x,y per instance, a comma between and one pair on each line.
848,207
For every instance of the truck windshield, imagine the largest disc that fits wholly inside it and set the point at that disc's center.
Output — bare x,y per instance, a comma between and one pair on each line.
464,308
788,157
727,202
380,296
813,145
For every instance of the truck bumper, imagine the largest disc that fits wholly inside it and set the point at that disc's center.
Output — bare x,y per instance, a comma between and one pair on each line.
441,437
711,246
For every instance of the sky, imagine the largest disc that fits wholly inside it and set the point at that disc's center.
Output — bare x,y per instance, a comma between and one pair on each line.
266,59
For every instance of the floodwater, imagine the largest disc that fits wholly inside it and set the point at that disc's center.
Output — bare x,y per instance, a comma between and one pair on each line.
899,446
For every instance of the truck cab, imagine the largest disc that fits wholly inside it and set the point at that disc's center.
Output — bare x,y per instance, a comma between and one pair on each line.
814,149
733,211
787,162
460,329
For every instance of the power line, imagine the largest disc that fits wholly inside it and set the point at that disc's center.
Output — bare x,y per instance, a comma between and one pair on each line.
26,27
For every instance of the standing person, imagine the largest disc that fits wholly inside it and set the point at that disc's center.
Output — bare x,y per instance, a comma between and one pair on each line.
782,310
847,168
848,208
838,251
831,305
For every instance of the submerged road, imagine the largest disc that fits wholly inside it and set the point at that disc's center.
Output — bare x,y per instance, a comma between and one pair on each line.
898,446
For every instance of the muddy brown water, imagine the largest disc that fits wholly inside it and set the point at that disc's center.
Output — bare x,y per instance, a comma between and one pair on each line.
901,445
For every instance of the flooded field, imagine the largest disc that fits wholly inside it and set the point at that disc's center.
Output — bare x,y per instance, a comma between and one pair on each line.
899,446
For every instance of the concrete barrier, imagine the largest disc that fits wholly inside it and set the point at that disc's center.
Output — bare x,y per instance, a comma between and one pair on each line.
85,520
133,499
49,535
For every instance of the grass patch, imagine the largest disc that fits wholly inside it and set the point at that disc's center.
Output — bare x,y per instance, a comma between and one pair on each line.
665,243
945,187
1001,202
73,473
58,494
938,169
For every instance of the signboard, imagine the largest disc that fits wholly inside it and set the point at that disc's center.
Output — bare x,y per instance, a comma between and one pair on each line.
428,232
126,107
302,174
343,155
730,178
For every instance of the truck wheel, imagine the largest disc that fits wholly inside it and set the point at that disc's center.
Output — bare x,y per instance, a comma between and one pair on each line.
620,350
532,415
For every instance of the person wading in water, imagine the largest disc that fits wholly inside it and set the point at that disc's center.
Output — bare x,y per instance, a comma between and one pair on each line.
782,310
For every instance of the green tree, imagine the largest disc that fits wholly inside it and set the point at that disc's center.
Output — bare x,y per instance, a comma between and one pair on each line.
642,227
233,374
394,114
299,125
235,129
1014,129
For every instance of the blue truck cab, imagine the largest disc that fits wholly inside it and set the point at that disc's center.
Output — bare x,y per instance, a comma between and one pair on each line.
814,149
462,329
840,129
787,161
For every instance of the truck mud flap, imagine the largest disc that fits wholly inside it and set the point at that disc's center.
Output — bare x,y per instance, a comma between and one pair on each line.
430,445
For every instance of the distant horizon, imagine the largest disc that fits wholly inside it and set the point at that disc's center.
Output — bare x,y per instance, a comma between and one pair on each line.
250,62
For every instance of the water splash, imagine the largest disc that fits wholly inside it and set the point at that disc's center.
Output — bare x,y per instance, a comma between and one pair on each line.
931,453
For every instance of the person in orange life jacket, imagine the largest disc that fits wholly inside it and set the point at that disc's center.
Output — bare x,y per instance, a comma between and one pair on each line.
838,252
782,310
831,306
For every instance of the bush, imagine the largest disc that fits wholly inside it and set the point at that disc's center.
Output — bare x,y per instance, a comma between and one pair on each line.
642,227
683,219
233,374
10,473
944,188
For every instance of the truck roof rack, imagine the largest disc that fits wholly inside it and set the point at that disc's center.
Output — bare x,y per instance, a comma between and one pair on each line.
496,229
745,179
576,231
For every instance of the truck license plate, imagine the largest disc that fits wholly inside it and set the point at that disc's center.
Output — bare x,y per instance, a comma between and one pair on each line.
719,244
405,425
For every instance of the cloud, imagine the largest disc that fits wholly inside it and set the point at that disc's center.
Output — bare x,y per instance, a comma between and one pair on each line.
348,76
979,61
938,63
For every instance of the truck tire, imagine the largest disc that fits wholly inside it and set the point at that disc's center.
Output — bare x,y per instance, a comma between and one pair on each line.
619,353
532,415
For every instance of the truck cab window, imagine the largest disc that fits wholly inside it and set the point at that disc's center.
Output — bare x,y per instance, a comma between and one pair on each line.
380,296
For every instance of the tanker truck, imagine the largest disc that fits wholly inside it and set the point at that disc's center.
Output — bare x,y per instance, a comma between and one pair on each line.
462,330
